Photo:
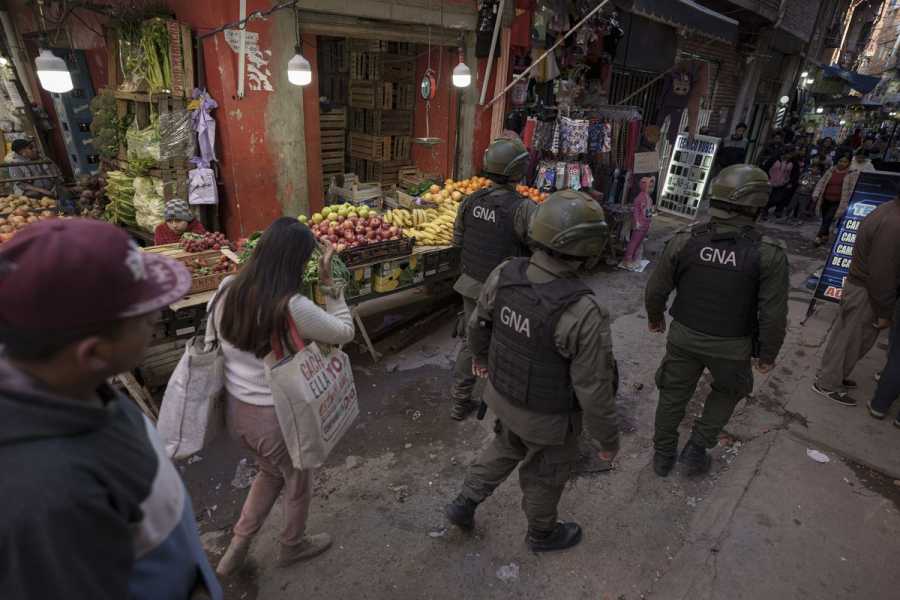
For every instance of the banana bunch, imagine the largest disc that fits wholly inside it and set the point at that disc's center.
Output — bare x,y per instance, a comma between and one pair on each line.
437,230
404,217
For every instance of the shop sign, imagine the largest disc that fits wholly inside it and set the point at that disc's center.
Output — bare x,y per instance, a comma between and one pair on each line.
872,190
687,174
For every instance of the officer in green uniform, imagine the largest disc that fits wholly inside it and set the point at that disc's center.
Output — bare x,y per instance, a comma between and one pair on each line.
543,341
731,305
491,226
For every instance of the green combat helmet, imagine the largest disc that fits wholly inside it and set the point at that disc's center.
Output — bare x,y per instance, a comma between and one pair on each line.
740,185
508,158
570,223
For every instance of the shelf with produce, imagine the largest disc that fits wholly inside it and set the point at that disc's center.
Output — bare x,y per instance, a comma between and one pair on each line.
159,49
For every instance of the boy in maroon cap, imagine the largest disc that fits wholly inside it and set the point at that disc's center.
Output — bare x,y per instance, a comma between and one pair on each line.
91,507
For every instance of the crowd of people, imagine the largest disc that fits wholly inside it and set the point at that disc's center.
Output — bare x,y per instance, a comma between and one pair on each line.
808,178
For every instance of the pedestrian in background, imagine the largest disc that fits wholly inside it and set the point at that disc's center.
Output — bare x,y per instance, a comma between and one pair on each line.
92,509
251,309
772,151
734,148
641,214
888,389
867,302
801,205
829,194
780,182
855,140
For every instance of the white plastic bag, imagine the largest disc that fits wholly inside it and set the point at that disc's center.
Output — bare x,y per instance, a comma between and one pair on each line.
202,186
315,398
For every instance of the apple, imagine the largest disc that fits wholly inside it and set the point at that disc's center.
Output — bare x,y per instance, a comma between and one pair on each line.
385,226
353,219
360,238
349,235
341,218
333,216
375,222
303,219
333,239
317,218
347,225
394,231
371,234
359,229
340,247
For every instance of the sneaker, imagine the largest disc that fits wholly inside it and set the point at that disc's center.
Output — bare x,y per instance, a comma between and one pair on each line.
849,384
696,459
877,375
663,464
309,547
875,413
563,537
462,409
461,512
839,397
234,557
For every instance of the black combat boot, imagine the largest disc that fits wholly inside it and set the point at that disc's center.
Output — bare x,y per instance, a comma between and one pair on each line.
696,459
663,463
462,409
564,536
461,512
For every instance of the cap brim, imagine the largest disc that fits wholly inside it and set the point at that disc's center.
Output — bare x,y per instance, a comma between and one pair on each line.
167,281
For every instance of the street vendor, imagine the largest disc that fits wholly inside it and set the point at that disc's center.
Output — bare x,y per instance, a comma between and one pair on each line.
179,220
25,151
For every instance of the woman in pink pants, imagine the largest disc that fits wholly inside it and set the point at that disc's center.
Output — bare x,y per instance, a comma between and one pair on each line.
642,211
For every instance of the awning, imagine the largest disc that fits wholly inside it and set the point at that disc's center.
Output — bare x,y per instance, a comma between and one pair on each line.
689,15
861,83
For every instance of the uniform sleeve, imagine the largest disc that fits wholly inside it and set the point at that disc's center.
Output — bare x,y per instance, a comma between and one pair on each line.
662,281
331,326
522,219
479,337
592,372
459,226
773,304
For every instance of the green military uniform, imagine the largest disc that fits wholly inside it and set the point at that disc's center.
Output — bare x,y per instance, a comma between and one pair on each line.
575,361
690,350
485,244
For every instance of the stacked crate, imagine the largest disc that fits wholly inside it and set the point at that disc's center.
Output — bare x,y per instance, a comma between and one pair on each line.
381,99
334,67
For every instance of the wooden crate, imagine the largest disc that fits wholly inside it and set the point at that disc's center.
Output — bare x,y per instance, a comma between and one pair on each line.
336,118
381,122
371,94
334,56
385,172
333,135
405,96
370,147
371,66
402,48
400,147
335,88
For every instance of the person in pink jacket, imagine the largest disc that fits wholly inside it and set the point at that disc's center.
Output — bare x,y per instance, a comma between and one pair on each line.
641,215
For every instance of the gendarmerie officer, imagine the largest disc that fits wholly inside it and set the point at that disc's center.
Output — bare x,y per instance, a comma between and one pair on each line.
731,304
543,341
492,225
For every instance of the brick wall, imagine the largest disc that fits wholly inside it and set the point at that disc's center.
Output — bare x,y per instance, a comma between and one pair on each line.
726,69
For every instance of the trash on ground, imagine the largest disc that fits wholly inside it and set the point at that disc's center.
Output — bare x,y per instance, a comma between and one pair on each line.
819,457
244,474
437,533
508,573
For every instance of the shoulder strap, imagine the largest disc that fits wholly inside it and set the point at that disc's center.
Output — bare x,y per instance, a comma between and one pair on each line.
212,332
294,341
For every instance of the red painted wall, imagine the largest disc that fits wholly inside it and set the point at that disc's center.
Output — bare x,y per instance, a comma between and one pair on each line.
482,138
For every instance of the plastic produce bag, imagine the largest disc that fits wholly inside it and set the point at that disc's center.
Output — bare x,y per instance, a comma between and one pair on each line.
143,144
176,135
149,205
202,187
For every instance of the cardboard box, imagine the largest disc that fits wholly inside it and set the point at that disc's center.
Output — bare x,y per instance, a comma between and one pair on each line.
398,274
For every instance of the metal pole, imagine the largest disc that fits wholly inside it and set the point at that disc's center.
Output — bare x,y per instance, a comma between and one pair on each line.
490,63
521,75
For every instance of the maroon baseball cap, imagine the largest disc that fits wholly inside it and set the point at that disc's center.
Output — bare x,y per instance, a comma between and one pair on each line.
64,274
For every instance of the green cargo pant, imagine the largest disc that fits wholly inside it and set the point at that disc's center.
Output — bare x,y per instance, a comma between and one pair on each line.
543,473
463,380
677,379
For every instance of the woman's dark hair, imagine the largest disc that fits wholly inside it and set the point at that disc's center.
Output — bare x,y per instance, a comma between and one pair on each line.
257,301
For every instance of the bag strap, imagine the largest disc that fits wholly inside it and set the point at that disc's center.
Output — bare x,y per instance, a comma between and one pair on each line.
279,348
212,332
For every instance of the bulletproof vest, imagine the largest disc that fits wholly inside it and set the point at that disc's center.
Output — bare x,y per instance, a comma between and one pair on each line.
490,236
718,282
524,365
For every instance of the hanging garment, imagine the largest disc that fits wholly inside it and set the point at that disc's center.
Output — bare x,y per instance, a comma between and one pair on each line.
205,126
528,132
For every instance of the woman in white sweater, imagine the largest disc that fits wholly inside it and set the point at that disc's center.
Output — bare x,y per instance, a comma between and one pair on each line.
252,308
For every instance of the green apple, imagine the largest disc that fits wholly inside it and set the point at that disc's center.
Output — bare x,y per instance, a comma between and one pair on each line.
317,218
303,219
332,216
327,211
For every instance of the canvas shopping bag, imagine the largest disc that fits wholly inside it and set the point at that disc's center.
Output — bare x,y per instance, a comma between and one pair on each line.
315,397
193,407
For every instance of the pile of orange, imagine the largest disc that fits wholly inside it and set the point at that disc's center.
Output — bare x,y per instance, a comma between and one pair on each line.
467,186
533,193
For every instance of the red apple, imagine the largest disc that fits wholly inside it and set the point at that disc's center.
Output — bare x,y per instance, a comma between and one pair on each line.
359,229
341,218
349,235
394,231
371,234
375,222
333,239
354,220
340,247
385,226
360,238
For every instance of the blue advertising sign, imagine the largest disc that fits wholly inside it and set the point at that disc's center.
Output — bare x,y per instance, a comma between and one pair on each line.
872,190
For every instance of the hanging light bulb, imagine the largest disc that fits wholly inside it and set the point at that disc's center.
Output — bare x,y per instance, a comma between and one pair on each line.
462,76
299,69
820,110
3,61
804,74
53,73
